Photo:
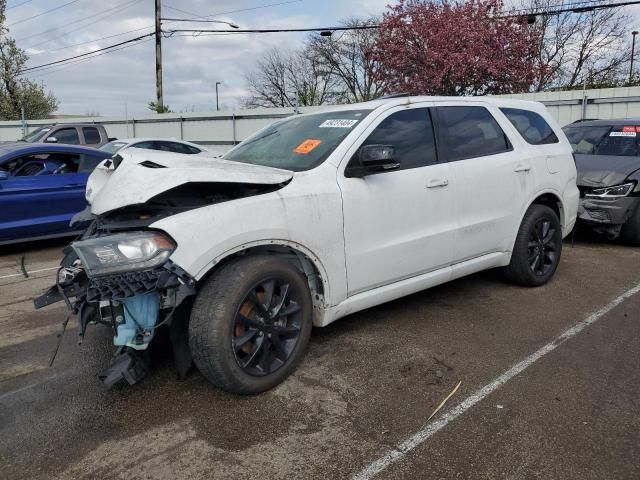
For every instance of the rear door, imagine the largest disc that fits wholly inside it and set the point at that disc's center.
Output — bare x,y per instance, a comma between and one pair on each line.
492,178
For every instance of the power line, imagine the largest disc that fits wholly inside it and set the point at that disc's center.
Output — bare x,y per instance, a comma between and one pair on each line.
43,13
110,11
280,30
131,40
92,41
569,7
54,69
109,48
19,5
232,11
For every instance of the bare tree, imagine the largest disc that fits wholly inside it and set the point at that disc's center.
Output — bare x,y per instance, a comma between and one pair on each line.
348,56
581,46
287,79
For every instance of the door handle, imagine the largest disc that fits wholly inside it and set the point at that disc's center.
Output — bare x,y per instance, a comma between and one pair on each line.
438,182
522,167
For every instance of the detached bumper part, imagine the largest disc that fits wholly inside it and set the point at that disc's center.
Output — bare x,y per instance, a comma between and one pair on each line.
127,368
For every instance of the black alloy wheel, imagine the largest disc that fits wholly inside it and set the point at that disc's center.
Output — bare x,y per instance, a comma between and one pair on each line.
267,327
542,247
537,248
250,323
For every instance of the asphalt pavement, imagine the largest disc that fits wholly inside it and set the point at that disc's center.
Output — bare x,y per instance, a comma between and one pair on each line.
368,384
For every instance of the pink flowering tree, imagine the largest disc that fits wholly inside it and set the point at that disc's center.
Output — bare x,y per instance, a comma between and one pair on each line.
456,48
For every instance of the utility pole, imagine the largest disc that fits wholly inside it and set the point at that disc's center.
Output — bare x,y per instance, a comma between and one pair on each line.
159,99
217,97
633,54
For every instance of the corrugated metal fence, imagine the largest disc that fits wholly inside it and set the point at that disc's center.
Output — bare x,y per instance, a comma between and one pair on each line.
228,128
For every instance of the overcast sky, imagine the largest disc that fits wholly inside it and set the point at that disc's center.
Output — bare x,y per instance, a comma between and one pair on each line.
192,65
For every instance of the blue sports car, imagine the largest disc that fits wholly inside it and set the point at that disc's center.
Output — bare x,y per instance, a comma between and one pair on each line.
41,187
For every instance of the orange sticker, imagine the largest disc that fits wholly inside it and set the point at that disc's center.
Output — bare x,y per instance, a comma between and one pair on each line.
307,146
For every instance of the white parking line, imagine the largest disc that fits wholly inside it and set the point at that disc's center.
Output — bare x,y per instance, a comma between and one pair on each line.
418,438
32,271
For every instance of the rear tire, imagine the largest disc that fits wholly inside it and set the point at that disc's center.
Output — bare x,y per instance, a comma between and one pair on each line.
537,249
630,233
250,324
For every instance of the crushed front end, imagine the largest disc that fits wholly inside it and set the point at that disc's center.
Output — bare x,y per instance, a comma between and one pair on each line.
607,209
126,281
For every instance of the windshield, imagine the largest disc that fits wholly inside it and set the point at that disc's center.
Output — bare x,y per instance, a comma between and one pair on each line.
617,141
113,147
36,135
299,142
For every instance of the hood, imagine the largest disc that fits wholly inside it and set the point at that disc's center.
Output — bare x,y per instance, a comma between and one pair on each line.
144,174
604,170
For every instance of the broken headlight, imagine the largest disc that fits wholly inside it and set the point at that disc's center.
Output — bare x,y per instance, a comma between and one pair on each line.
123,252
617,191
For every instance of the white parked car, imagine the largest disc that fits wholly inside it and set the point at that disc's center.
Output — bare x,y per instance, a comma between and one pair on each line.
311,219
162,144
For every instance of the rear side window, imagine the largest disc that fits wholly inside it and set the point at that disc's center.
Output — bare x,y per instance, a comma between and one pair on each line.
410,132
470,132
533,128
91,135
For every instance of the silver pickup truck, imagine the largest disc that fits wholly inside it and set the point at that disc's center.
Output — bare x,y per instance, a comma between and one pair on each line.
89,134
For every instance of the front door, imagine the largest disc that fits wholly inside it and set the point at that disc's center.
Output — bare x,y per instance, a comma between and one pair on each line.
398,224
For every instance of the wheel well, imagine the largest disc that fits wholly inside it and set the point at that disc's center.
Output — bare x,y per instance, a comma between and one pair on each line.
553,202
297,258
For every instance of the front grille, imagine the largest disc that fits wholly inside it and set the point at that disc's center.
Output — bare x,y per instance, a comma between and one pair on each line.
128,284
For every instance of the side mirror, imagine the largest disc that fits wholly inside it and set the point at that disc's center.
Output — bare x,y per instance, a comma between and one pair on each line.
51,140
373,159
3,175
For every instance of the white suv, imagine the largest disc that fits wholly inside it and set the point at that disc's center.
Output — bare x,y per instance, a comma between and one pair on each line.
313,218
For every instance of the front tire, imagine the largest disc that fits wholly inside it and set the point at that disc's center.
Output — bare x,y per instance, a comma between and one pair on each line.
537,250
250,324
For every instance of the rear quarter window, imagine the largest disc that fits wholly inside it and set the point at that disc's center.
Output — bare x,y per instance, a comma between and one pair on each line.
533,128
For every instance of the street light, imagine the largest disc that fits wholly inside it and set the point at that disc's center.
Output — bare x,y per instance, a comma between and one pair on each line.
217,97
633,51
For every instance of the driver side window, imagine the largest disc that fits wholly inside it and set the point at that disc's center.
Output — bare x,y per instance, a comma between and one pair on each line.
410,132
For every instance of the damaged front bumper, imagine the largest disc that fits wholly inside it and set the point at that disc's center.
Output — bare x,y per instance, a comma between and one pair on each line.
131,303
607,216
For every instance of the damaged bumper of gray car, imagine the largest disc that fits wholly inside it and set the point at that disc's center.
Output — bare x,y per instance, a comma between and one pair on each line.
606,215
132,300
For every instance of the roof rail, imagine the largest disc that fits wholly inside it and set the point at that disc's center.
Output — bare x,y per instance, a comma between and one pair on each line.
394,95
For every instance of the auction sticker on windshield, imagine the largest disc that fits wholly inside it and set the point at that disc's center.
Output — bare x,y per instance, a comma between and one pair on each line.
307,146
338,123
622,134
